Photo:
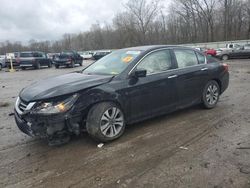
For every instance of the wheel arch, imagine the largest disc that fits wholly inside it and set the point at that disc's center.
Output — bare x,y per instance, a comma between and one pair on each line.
218,82
86,111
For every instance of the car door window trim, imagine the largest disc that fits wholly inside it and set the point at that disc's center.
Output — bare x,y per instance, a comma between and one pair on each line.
170,70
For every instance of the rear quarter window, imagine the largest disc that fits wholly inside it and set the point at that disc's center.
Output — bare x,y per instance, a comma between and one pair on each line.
211,59
201,58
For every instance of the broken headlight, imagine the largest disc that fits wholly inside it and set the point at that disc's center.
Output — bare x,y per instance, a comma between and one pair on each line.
56,107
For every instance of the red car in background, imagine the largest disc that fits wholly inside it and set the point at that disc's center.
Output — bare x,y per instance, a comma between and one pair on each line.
211,52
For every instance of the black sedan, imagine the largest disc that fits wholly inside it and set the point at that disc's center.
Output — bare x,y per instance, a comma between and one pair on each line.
68,59
125,87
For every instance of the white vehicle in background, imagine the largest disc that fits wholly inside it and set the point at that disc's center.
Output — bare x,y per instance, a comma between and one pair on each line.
2,61
229,47
86,55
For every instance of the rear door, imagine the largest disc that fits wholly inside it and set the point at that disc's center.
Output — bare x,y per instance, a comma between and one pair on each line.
192,76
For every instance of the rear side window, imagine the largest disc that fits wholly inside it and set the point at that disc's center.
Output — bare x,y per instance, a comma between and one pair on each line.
27,54
156,62
201,58
186,58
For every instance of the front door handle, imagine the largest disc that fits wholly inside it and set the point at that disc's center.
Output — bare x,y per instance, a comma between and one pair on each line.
204,69
173,76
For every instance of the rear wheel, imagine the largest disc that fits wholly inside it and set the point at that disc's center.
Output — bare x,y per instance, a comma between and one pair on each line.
105,122
211,94
57,66
49,64
225,57
38,66
23,68
1,66
72,65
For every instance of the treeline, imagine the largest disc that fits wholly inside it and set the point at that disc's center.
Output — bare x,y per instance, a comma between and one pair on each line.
150,22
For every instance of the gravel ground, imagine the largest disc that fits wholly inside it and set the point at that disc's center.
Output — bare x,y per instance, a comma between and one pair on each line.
189,148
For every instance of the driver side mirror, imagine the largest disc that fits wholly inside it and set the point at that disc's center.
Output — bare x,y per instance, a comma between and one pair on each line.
140,73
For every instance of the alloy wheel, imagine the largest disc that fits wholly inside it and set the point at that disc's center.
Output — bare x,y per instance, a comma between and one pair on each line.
112,122
212,94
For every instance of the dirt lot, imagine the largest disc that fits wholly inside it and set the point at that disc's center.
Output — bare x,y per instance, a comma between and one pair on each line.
215,153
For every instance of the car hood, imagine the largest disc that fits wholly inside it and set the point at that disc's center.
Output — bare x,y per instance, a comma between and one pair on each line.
62,85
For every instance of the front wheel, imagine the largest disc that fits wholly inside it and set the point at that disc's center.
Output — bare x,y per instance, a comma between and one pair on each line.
211,94
105,122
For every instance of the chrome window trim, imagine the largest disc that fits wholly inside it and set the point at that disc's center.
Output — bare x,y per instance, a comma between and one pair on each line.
169,69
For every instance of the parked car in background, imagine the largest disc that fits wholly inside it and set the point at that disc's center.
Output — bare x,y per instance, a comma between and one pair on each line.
68,59
128,86
100,54
15,61
2,61
211,52
247,46
86,55
34,59
202,49
240,53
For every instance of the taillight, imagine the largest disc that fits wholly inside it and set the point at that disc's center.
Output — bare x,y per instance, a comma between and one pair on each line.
226,68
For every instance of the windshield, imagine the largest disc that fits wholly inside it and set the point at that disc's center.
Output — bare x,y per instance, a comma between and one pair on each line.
113,63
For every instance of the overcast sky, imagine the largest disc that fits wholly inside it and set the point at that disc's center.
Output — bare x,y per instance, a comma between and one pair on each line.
22,20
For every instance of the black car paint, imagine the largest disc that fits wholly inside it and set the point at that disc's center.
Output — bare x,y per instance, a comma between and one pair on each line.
100,55
67,58
139,98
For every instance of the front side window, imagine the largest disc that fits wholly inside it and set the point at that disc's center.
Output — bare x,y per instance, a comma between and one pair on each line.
186,58
156,62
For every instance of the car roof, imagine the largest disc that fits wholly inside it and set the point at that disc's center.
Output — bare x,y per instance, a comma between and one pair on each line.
154,47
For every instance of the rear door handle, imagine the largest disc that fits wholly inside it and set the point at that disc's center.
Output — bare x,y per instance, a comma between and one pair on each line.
204,69
173,76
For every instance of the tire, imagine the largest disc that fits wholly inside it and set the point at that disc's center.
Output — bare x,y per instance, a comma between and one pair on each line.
72,65
49,64
101,125
23,68
211,94
57,66
80,64
1,66
225,57
38,66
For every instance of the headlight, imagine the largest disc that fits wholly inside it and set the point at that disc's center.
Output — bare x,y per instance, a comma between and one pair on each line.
56,107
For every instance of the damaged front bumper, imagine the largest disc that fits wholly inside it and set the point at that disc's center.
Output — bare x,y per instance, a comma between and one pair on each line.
56,128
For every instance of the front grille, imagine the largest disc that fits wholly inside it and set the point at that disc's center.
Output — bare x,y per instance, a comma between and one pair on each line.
22,105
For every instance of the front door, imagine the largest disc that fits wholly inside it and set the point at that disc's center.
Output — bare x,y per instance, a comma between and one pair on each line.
155,93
